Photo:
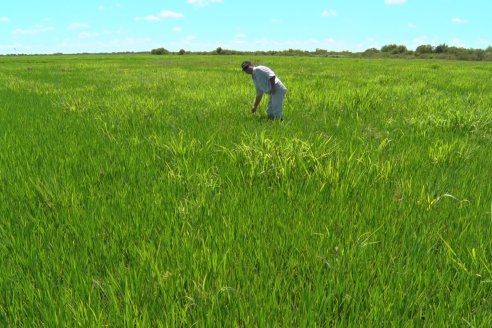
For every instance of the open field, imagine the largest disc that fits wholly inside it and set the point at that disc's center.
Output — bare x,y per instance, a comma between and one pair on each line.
140,191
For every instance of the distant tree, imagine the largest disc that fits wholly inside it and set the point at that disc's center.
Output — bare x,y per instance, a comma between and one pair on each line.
394,49
442,48
219,51
389,48
294,52
457,51
320,52
480,54
372,51
182,52
400,50
424,49
159,51
488,53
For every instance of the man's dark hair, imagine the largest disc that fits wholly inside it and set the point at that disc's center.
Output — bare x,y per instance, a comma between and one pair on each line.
245,64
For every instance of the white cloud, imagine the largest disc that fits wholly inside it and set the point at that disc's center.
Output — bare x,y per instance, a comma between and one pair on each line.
329,13
149,18
310,44
245,42
178,29
422,40
203,3
170,14
239,40
459,21
395,2
329,42
38,29
163,15
483,43
111,7
189,40
4,19
456,42
242,42
77,25
88,35
368,43
94,45
411,25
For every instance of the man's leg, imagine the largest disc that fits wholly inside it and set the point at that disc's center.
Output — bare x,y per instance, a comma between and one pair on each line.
269,107
275,105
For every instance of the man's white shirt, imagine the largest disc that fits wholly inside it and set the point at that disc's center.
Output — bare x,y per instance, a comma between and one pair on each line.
261,78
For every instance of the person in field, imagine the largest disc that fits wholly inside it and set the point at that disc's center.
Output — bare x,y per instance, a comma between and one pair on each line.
267,82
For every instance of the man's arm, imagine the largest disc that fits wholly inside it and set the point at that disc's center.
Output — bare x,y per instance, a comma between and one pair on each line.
257,102
272,84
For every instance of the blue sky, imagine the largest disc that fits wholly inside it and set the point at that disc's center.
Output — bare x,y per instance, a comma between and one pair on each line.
203,25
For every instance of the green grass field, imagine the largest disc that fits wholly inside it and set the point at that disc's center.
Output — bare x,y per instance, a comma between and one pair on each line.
139,191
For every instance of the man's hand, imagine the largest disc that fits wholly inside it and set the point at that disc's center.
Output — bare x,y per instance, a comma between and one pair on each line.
256,104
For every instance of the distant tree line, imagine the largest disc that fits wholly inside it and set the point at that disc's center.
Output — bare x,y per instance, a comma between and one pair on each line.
442,51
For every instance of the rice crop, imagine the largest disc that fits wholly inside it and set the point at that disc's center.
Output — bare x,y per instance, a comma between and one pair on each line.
140,191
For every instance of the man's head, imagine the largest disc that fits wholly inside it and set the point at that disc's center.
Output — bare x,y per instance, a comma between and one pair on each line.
247,67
